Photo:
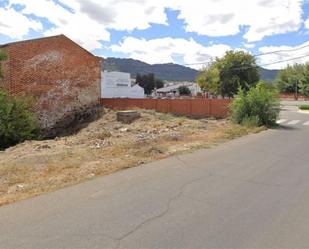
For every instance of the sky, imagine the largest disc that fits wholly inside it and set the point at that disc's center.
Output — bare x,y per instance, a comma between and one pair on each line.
187,32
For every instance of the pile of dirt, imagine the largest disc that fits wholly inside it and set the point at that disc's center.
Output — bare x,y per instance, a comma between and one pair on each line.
103,147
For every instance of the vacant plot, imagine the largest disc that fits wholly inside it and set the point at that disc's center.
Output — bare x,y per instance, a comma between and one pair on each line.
103,147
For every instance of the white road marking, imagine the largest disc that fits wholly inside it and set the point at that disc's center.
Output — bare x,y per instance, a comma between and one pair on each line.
281,121
306,123
293,122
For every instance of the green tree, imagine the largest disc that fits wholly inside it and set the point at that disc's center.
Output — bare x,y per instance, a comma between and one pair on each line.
209,80
138,78
17,120
3,57
184,90
289,80
225,75
256,107
304,81
148,82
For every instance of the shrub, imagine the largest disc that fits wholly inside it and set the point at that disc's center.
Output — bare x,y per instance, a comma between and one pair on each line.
259,106
304,107
17,121
3,57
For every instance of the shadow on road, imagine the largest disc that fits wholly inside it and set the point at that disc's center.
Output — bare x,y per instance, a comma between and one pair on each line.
285,127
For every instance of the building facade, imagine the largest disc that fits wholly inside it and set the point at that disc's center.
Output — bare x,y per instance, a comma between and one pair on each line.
62,77
119,85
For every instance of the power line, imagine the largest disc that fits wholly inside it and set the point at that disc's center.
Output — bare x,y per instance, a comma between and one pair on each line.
197,63
291,59
282,50
255,55
268,64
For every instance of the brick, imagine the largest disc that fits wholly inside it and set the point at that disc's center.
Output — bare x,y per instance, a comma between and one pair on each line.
59,74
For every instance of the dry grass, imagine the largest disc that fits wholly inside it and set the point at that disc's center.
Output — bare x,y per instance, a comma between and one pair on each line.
103,147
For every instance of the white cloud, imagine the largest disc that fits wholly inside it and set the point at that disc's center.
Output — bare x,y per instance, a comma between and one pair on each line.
121,14
77,26
130,15
248,45
224,17
88,22
164,50
287,53
44,8
15,24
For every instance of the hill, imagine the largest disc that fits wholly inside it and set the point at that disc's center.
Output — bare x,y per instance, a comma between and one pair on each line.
169,71
267,74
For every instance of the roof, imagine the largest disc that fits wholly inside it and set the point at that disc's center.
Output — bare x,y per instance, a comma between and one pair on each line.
45,38
30,40
136,86
173,88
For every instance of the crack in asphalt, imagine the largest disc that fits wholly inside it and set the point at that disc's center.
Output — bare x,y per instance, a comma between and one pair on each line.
249,181
179,193
186,164
164,212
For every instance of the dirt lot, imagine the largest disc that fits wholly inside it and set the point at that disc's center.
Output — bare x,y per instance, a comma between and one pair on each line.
103,147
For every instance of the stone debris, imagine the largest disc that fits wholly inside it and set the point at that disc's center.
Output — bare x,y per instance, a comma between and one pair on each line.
107,131
99,145
16,188
99,148
43,146
128,117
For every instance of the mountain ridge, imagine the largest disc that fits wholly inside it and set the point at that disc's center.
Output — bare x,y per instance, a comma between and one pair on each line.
165,71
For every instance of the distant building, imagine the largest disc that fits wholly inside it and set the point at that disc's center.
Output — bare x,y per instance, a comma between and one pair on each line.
119,85
63,78
171,89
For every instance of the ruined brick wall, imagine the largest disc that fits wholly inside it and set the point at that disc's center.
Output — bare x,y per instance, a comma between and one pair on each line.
63,78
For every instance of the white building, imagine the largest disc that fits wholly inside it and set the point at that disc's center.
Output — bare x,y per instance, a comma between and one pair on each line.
170,89
118,85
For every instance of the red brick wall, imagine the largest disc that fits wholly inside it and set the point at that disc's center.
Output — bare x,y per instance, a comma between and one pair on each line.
58,73
193,107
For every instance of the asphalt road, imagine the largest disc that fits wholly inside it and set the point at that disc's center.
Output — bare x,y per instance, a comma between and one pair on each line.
252,192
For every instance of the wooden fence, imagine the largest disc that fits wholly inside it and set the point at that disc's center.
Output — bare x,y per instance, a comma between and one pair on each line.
190,107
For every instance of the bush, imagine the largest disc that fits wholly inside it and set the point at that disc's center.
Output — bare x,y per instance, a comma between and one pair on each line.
3,57
17,121
258,107
304,107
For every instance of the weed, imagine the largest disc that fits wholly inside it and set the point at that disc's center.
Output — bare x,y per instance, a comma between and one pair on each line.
104,134
251,122
304,107
165,116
